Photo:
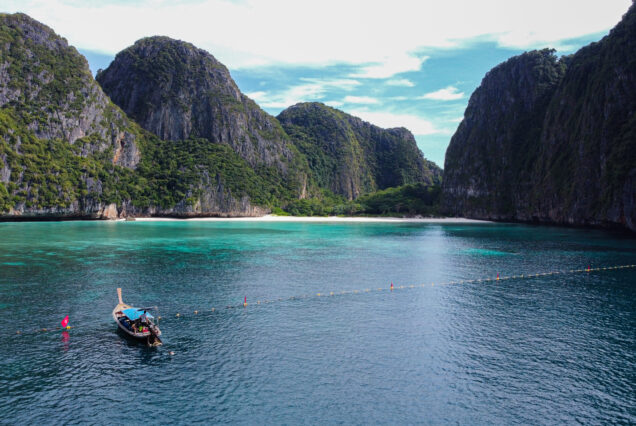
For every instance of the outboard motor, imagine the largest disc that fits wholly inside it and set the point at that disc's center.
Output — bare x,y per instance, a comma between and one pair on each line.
153,339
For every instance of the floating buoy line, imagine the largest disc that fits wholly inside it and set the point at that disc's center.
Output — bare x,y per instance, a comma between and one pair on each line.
389,289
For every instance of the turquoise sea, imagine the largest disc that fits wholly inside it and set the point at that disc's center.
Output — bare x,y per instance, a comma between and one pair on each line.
553,349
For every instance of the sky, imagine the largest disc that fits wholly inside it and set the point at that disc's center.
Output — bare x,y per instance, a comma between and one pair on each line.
397,63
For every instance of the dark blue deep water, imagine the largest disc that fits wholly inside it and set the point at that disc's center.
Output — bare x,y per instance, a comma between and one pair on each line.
545,350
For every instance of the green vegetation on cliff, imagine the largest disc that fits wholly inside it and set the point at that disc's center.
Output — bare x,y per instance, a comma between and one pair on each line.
175,171
406,200
61,140
50,174
180,92
351,157
412,199
43,72
67,150
55,161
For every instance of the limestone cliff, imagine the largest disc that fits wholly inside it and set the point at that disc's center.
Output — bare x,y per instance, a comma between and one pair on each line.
586,167
67,151
490,158
49,86
551,140
58,130
352,157
178,91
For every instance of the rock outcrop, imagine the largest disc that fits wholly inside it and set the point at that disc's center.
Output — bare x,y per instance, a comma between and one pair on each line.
351,157
58,131
49,87
178,91
67,151
490,158
551,140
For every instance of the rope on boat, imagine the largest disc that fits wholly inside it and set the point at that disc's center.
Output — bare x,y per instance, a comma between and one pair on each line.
391,288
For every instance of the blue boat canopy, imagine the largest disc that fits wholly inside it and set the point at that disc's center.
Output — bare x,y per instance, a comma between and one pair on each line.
134,313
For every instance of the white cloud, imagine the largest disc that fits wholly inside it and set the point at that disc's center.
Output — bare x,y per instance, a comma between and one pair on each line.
257,96
417,125
341,83
313,89
456,120
252,33
449,93
390,66
401,82
335,104
360,100
293,95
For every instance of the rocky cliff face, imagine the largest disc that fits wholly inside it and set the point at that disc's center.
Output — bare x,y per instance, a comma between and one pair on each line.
49,86
351,157
550,140
178,91
54,121
586,167
490,157
67,151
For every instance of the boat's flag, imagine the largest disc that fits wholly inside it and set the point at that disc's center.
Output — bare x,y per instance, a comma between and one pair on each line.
64,322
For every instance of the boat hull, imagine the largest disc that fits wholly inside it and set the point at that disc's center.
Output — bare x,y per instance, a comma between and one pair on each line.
122,322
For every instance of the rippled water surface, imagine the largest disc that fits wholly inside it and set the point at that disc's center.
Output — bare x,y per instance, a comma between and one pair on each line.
553,349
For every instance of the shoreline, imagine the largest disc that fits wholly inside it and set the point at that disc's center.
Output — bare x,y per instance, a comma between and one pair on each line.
270,218
325,219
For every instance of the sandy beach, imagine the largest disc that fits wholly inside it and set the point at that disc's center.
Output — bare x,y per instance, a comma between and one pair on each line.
328,219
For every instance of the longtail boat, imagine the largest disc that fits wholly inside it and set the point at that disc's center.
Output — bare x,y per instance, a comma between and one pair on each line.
136,322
